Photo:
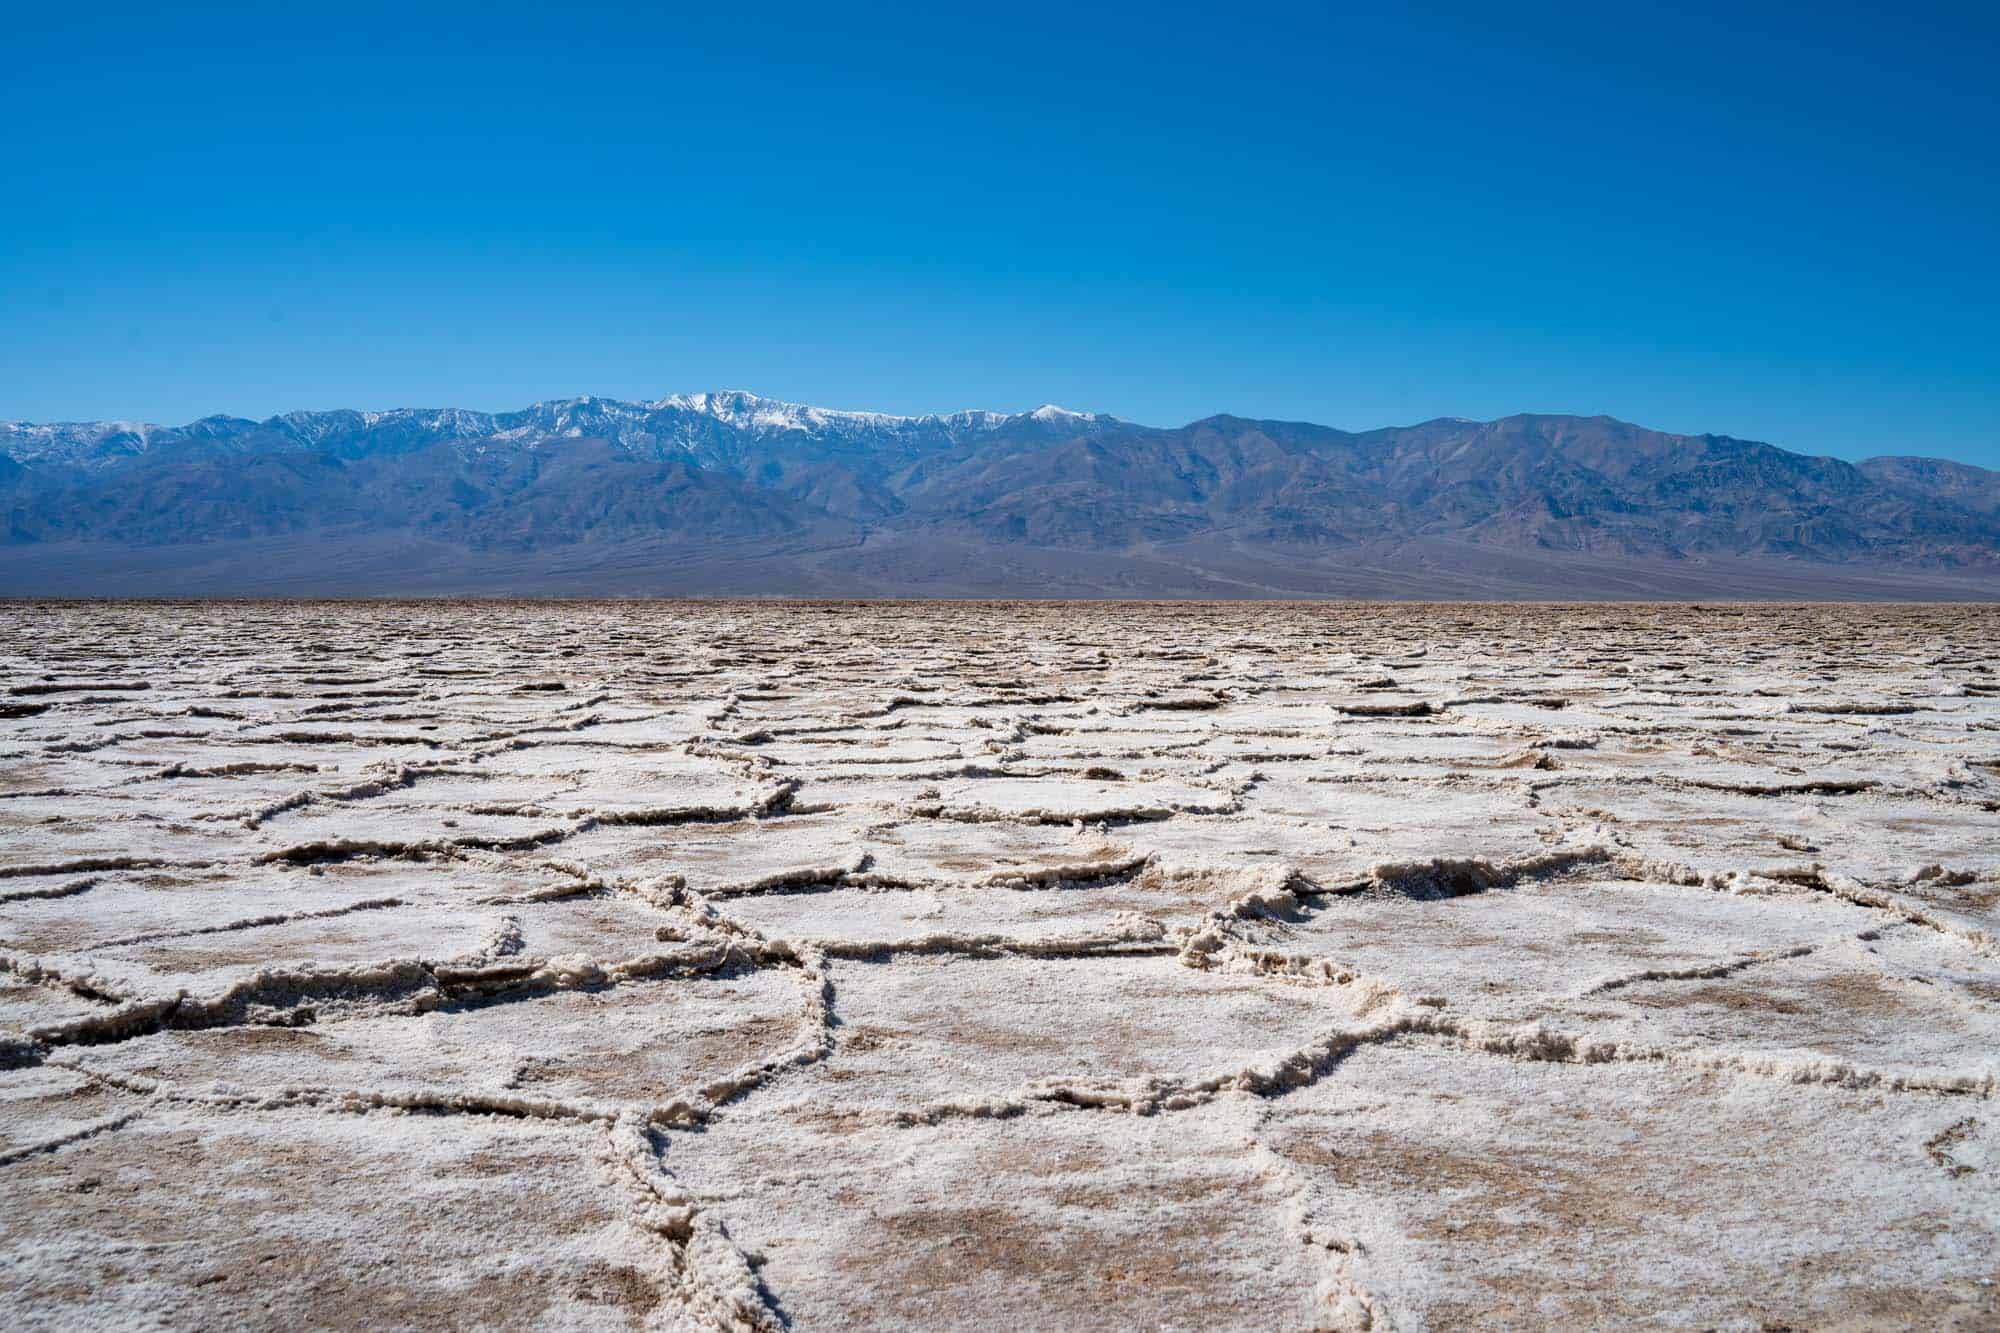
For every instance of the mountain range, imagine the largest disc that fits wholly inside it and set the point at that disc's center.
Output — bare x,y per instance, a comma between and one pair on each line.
730,493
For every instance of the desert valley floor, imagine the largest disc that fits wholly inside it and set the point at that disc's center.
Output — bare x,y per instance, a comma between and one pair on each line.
761,965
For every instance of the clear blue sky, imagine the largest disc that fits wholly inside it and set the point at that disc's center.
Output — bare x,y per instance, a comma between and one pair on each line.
1773,222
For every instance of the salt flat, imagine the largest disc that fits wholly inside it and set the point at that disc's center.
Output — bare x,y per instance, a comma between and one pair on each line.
1000,965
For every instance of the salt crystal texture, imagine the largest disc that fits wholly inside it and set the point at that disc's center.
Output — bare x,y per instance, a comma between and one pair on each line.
752,966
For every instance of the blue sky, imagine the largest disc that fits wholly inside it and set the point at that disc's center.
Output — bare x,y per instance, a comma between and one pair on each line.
1775,222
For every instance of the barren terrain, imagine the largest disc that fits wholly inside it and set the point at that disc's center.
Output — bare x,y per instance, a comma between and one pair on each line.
754,965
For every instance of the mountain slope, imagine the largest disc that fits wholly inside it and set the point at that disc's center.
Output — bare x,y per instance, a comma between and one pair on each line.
706,491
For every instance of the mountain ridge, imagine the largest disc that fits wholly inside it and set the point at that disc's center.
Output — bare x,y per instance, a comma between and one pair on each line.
725,481
627,422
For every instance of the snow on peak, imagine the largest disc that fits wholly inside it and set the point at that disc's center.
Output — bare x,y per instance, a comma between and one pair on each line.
676,423
743,409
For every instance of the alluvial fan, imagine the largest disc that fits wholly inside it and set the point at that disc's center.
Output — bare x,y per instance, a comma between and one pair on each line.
762,965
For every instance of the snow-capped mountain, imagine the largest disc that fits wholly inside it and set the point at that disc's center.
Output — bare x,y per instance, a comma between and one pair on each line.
712,429
718,491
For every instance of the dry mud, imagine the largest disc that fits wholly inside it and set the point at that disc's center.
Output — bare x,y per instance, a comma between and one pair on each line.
860,966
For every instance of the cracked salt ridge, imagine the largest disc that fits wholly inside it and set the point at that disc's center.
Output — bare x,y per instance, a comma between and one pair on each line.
1344,1302
69,890
709,1279
247,923
35,972
86,864
399,777
1448,877
779,801
75,687
1143,938
289,997
1068,876
1108,815
1814,877
239,768
1698,972
1854,708
78,1135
